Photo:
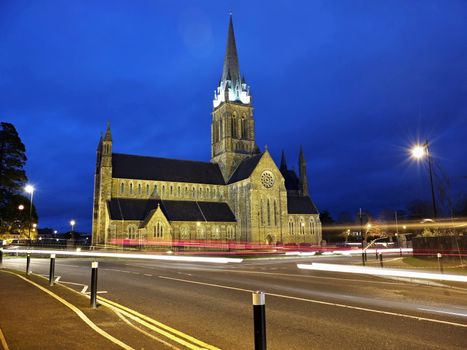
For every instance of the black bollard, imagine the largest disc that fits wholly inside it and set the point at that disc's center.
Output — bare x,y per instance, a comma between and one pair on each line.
381,259
376,253
259,320
1,256
440,262
400,251
366,256
28,264
52,270
94,266
363,258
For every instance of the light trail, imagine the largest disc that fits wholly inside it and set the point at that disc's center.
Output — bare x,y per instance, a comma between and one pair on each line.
376,271
215,260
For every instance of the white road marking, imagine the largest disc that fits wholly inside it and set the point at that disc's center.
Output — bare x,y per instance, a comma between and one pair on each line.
83,291
148,274
445,312
58,278
389,313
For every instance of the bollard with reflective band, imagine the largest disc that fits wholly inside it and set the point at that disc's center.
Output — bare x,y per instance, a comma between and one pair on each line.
94,266
28,264
52,270
440,262
381,259
259,320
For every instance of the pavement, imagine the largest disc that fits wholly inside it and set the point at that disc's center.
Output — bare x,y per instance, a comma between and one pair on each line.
34,315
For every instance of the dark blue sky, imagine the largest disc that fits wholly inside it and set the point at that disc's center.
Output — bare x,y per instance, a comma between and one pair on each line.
355,82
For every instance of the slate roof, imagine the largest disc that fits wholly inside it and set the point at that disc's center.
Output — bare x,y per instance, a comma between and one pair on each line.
138,209
301,205
291,180
164,169
245,168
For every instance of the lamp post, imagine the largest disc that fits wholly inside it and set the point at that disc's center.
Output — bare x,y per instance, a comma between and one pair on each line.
420,152
72,223
30,189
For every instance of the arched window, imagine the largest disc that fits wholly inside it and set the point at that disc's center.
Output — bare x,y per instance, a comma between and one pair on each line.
131,230
269,213
122,188
184,232
312,226
179,192
159,230
131,188
163,190
302,226
207,192
193,192
230,232
291,228
147,190
275,213
139,188
171,190
186,191
261,212
155,189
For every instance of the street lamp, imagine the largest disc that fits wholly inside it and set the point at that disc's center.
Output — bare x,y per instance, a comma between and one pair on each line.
420,152
72,223
30,189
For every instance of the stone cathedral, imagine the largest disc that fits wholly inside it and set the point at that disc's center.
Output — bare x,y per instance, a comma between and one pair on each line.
239,196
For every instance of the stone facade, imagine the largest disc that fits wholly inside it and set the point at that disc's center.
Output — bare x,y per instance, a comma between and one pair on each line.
240,196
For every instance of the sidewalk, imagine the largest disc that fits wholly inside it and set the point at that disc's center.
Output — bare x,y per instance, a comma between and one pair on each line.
30,318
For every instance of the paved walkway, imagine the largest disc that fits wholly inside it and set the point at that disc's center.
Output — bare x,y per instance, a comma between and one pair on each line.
34,315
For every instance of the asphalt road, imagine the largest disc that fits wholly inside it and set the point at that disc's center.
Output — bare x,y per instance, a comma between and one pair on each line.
304,309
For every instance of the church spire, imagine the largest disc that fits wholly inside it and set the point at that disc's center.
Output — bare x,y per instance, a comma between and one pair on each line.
108,134
232,86
303,179
231,70
283,166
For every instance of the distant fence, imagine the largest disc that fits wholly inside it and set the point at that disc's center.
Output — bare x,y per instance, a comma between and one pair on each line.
446,245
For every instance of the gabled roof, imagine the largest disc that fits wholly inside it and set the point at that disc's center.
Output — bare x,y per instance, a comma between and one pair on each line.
245,168
301,205
164,169
139,209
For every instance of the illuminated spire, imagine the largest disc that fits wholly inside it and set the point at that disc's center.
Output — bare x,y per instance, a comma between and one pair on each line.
231,69
232,86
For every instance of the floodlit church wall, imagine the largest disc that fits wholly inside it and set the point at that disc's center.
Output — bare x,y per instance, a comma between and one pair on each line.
146,189
195,230
303,228
267,186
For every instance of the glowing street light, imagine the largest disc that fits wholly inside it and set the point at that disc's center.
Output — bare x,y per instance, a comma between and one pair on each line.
20,207
420,152
72,223
30,189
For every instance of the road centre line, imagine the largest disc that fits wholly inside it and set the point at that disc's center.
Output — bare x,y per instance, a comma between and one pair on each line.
76,311
314,301
157,326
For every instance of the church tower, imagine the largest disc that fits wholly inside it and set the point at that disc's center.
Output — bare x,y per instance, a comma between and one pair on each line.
233,126
102,187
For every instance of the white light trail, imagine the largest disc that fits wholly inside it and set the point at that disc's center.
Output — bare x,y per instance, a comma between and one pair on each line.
382,272
214,260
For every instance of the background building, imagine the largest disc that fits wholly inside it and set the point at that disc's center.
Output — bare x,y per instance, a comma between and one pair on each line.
240,196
